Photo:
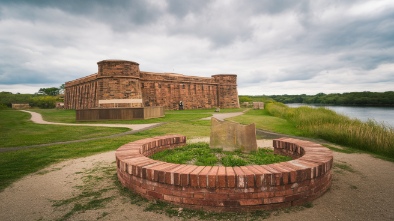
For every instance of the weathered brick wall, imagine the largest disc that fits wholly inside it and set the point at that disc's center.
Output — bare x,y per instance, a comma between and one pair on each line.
169,89
219,188
117,79
228,94
81,93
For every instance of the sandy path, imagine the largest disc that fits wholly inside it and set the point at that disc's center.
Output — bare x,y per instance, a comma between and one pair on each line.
364,190
37,118
222,116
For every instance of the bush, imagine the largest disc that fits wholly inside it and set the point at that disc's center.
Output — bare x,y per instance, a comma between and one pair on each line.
44,101
326,124
3,106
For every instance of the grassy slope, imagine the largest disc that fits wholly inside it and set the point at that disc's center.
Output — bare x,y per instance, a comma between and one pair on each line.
16,129
264,121
17,164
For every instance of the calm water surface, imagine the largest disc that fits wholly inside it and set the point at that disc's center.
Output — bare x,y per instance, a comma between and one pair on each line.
380,114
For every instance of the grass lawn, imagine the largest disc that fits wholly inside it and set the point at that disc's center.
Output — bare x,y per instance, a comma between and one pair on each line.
68,116
264,121
201,154
16,129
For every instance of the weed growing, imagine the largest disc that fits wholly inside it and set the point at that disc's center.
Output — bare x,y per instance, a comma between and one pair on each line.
344,166
93,193
201,154
342,149
326,124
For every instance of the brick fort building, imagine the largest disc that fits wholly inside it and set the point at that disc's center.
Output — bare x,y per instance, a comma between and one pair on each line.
120,83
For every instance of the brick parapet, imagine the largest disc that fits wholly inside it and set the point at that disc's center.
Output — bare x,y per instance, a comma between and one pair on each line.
119,79
219,188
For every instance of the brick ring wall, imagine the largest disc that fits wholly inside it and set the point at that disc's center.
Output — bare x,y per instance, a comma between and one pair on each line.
219,188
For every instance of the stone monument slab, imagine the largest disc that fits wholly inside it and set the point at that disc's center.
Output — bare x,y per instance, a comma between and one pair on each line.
231,136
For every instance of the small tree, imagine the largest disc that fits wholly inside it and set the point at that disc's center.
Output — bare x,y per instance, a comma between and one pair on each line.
61,89
51,91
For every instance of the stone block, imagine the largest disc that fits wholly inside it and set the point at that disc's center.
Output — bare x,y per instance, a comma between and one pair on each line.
232,136
258,105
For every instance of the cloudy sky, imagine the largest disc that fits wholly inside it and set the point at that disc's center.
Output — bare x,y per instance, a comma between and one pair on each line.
275,47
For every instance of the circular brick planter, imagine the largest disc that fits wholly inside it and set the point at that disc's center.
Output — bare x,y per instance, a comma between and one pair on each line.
219,188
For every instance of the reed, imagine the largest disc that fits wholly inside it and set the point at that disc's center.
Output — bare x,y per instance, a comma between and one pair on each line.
326,124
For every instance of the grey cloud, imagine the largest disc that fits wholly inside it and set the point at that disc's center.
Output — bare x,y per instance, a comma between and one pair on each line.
262,41
120,15
181,8
277,6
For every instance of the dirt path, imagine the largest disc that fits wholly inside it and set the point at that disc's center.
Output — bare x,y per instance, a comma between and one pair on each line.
362,189
222,116
37,118
85,189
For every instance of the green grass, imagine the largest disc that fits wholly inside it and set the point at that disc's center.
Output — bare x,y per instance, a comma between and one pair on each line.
16,129
328,125
265,121
341,149
201,154
68,116
17,164
95,192
344,166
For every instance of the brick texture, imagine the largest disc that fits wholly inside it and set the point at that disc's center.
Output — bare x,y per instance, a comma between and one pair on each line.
118,79
218,188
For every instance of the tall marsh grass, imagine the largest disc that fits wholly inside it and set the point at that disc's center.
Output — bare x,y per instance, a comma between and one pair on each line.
327,124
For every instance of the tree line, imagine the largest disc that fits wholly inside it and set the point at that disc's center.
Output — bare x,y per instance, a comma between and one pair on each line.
365,98
44,98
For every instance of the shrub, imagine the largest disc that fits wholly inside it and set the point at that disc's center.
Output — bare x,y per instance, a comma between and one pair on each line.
326,124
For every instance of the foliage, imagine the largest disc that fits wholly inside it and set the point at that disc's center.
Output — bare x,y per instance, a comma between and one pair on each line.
365,98
245,99
326,124
44,101
265,121
51,91
3,107
257,98
201,154
34,100
7,98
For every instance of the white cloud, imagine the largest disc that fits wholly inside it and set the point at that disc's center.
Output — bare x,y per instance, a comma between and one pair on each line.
278,47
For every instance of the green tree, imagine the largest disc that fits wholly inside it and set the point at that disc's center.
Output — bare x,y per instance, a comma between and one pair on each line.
244,99
61,89
51,91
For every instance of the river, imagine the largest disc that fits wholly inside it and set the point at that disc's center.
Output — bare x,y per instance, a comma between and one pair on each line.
380,114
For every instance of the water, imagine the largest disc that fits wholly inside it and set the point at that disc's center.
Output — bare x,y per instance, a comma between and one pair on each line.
380,114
